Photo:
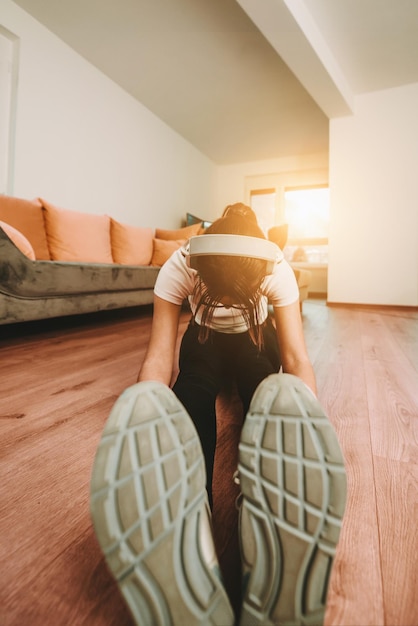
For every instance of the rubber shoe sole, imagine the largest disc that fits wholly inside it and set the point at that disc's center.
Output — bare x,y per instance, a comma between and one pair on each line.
150,513
294,490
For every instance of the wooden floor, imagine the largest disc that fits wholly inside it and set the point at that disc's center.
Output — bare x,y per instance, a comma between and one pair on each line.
57,387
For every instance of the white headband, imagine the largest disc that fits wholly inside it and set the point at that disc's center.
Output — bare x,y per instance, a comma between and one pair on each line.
234,245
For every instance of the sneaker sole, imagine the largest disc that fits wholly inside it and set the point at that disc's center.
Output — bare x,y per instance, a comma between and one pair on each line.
150,513
294,491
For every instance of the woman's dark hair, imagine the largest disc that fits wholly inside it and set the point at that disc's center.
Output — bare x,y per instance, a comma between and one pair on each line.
235,277
240,210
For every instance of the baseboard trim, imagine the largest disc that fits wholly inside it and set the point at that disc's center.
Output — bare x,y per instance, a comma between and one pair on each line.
360,305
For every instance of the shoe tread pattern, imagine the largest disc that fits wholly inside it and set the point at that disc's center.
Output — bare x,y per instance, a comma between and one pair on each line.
294,489
149,510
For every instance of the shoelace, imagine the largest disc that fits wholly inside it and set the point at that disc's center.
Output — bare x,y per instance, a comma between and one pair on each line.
239,498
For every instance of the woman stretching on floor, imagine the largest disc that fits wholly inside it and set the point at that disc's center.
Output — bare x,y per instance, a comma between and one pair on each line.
156,513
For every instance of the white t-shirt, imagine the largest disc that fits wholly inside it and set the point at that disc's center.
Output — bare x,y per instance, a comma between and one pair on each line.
176,282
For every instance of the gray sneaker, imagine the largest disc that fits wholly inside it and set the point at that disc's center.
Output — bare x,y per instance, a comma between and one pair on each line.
150,512
294,490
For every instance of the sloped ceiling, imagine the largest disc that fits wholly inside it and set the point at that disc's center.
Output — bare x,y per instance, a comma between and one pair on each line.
243,80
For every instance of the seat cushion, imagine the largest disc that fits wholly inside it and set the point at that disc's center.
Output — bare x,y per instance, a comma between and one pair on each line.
131,245
27,217
77,237
19,240
163,249
179,233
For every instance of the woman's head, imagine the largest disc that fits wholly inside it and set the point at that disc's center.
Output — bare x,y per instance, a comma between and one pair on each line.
240,210
227,280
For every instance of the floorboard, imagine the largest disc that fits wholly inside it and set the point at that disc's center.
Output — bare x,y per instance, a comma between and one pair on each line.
58,383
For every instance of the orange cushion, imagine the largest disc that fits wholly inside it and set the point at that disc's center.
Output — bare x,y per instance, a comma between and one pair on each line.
279,234
180,233
164,248
27,217
131,245
78,237
19,240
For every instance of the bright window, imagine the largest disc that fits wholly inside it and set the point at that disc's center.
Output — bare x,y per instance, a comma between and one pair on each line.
263,203
307,214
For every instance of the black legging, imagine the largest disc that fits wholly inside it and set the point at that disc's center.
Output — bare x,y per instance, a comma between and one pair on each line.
204,369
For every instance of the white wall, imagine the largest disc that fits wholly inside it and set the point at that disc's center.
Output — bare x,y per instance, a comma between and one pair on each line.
85,144
374,201
8,85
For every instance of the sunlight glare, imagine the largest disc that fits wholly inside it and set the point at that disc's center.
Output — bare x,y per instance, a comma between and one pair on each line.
307,212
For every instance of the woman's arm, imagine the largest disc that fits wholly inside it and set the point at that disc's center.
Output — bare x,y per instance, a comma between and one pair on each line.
295,359
159,358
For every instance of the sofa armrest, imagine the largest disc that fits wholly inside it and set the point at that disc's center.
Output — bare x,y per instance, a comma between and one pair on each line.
22,277
303,278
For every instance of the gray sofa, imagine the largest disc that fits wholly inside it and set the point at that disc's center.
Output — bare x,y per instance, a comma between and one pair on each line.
33,290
